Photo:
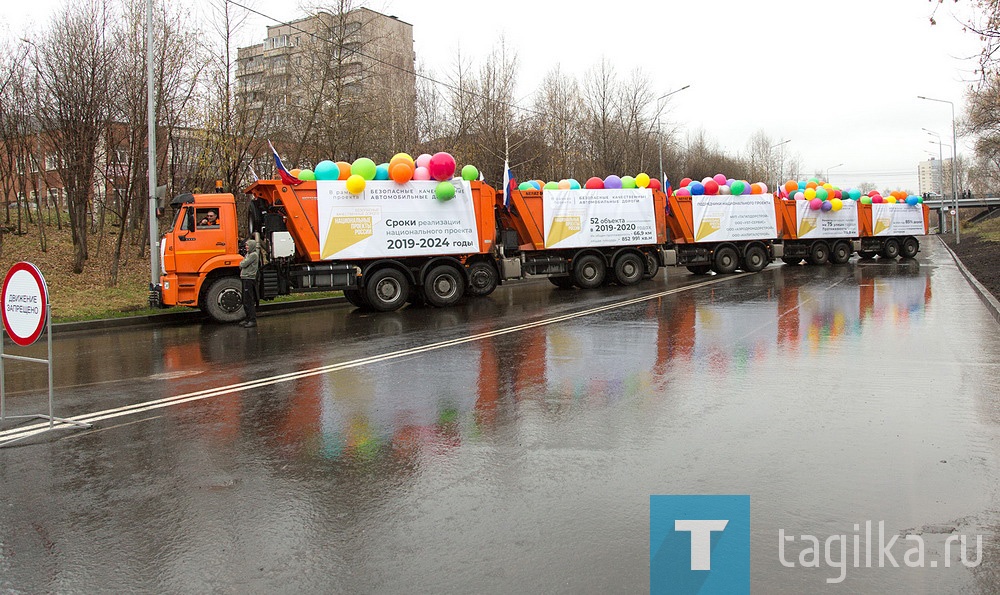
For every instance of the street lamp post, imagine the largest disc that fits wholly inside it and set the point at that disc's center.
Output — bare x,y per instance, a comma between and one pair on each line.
154,253
940,175
659,136
828,172
781,165
954,163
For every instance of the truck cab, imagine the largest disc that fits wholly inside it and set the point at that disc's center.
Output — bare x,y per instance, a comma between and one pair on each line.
200,256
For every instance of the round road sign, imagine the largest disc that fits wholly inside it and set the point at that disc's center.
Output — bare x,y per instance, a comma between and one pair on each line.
25,303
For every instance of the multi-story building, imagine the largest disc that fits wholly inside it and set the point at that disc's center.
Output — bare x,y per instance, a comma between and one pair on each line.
935,176
326,57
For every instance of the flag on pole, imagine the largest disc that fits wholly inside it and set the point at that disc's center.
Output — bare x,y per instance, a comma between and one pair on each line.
508,185
286,177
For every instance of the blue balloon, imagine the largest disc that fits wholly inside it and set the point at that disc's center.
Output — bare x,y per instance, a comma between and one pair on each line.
911,200
382,172
327,170
826,206
697,188
536,185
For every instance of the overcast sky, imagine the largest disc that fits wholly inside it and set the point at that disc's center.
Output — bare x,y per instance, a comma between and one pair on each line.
840,79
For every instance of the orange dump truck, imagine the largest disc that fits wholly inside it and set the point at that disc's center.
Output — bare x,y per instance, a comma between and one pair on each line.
582,238
722,233
817,236
391,244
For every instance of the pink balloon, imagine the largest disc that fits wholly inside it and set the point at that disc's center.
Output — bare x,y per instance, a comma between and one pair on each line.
800,196
423,160
441,166
815,204
421,173
763,188
720,179
683,192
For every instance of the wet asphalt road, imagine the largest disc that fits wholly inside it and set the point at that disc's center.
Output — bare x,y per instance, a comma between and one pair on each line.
511,444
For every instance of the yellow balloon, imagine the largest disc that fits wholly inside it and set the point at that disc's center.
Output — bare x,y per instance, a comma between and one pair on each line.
402,156
891,200
810,193
355,184
836,204
828,186
642,180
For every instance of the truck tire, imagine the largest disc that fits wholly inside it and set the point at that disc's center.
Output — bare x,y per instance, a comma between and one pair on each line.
792,260
755,259
726,260
223,300
841,253
562,282
652,265
386,290
699,269
819,253
890,249
629,269
356,298
910,248
483,279
589,271
443,286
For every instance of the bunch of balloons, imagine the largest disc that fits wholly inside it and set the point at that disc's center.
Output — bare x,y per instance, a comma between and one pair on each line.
896,196
611,182
719,185
401,169
823,196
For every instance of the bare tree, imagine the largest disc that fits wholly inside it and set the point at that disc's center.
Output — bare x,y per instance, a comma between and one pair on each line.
558,116
75,64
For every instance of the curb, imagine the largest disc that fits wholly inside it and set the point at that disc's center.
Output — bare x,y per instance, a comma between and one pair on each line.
193,316
984,294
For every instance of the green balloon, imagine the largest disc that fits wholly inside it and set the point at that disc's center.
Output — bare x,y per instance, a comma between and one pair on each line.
525,186
737,187
628,182
470,173
364,167
551,185
444,191
866,200
307,175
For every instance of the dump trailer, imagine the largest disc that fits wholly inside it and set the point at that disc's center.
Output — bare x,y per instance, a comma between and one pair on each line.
583,238
390,244
889,230
818,236
722,233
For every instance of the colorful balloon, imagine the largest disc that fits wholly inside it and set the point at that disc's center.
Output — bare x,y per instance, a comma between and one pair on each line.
628,182
441,166
470,173
444,191
594,183
642,180
421,173
815,204
327,170
613,182
791,186
382,172
422,160
720,179
573,184
364,167
307,175
654,184
356,184
401,172
685,182
736,187
836,204
345,170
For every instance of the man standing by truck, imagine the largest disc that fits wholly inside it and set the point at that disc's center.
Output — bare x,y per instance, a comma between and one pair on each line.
248,276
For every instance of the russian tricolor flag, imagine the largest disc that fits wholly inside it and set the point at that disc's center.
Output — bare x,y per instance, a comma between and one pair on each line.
286,177
508,185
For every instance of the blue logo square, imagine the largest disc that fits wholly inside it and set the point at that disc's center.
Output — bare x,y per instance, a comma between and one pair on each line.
699,544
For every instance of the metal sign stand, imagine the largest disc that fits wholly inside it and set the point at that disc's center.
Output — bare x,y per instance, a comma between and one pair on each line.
3,389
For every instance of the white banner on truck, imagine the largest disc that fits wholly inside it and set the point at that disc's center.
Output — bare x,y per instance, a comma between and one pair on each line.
826,224
722,218
389,219
897,219
583,218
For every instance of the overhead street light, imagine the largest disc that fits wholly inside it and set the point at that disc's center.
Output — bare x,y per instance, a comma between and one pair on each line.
954,163
659,136
828,172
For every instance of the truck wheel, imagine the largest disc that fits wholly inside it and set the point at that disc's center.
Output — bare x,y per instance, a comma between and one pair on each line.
841,253
890,249
386,290
819,254
562,282
652,266
726,260
356,298
755,259
910,248
483,279
589,272
792,260
629,269
867,254
223,300
699,269
443,286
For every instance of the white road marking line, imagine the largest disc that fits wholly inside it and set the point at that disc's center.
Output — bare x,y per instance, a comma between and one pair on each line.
28,431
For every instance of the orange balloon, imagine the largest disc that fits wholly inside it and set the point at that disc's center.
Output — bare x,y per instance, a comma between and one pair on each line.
295,172
401,172
401,158
345,170
755,189
791,186
811,185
